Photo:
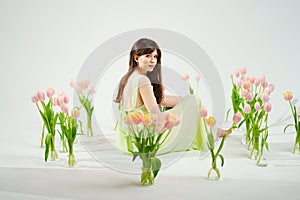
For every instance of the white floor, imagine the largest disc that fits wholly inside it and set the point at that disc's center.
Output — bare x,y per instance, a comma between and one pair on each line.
24,174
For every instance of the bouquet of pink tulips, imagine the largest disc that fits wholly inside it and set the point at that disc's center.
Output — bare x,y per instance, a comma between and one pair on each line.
85,95
288,96
250,97
68,125
145,142
49,118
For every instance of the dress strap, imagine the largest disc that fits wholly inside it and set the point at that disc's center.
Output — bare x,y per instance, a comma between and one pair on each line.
135,90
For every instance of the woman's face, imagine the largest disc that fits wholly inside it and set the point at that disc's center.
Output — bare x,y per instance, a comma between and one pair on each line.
147,62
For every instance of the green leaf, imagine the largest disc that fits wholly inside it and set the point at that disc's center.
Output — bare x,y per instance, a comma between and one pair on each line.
135,155
211,140
222,160
241,123
267,145
227,114
284,130
191,90
47,143
156,165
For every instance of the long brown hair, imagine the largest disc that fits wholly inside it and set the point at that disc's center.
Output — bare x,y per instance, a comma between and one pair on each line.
141,47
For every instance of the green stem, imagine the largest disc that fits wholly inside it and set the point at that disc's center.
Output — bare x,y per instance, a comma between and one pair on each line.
89,126
43,136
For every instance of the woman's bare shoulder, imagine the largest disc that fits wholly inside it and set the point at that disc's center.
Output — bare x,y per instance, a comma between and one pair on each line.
143,81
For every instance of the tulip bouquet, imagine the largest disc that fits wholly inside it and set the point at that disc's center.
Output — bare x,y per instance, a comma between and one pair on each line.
85,95
214,172
49,118
250,97
68,125
145,141
288,96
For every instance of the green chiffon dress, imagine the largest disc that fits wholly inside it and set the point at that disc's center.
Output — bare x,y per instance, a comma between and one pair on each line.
190,134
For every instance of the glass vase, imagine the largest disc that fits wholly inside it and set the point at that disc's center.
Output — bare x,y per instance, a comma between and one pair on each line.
262,159
147,176
71,160
296,149
213,174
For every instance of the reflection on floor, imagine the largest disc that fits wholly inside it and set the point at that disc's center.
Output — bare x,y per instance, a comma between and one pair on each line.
103,172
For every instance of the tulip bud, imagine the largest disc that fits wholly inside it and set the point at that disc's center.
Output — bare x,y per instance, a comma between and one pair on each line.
185,77
237,117
257,106
288,96
34,99
75,113
268,107
247,108
203,112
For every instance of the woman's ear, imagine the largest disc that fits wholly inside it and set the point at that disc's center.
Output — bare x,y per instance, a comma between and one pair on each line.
136,58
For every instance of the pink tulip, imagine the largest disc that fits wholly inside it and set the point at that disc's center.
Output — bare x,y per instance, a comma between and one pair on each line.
271,87
146,120
239,83
72,83
211,121
251,79
257,106
65,99
50,92
265,97
86,83
257,82
249,96
268,107
83,84
75,113
197,77
243,71
34,99
237,73
185,77
246,85
203,112
127,120
298,111
237,117
77,89
262,79
265,84
40,95
91,91
288,96
247,108
59,101
64,108
244,92
171,121
243,78
54,101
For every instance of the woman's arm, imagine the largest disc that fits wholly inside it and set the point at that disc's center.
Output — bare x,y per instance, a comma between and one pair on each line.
169,101
146,92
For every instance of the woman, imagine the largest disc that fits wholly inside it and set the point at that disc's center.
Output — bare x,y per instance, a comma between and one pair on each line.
141,89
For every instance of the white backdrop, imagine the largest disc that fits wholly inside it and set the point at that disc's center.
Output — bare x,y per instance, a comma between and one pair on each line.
44,43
